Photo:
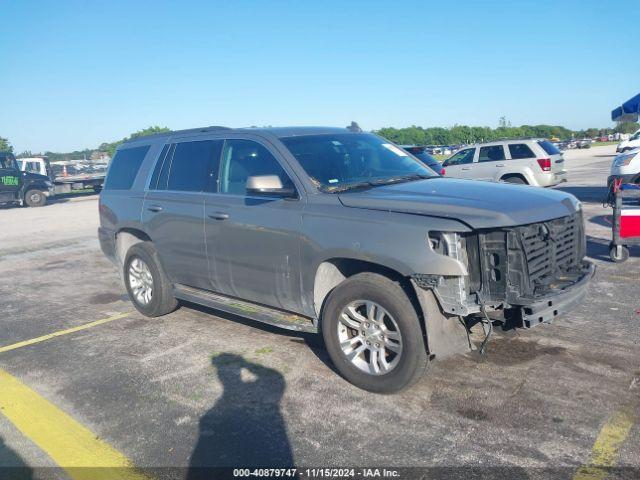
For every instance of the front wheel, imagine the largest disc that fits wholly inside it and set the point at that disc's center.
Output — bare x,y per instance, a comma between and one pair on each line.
373,335
35,198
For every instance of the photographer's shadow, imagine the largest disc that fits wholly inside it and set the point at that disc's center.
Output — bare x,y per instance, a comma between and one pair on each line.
244,428
12,467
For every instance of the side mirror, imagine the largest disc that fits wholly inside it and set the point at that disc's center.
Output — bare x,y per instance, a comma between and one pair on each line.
269,186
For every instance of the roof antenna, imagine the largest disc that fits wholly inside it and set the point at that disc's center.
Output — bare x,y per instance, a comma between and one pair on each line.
354,127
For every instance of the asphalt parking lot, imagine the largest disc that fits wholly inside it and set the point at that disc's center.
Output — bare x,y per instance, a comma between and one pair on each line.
199,388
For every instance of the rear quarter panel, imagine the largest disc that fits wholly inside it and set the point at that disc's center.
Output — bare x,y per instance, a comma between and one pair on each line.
122,208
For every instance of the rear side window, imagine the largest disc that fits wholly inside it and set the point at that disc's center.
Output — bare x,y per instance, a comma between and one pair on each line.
549,147
186,166
124,168
491,153
520,150
160,167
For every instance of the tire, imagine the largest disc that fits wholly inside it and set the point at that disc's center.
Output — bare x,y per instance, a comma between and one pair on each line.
160,301
35,198
515,180
405,365
97,188
618,257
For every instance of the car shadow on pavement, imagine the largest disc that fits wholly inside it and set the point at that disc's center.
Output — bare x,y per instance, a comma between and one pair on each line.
12,467
598,248
245,426
586,193
602,220
313,341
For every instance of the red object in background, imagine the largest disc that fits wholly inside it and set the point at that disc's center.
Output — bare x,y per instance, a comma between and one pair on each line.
442,172
545,164
630,222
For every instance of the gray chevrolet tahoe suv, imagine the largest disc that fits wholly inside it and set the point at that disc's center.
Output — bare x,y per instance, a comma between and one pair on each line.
339,232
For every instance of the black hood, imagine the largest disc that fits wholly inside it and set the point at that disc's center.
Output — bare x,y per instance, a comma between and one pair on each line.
34,177
479,204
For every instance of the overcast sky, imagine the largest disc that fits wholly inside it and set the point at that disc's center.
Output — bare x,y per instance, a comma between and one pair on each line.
75,74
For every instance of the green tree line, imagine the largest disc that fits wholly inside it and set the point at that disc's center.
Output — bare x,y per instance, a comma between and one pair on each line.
414,135
459,134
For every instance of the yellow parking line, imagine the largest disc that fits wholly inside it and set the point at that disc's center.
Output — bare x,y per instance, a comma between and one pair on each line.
71,445
62,332
605,451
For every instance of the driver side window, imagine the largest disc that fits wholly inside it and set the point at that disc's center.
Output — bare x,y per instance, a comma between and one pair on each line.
242,159
460,158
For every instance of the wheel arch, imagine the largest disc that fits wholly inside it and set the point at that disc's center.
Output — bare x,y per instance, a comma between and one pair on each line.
522,176
127,237
442,334
333,271
32,186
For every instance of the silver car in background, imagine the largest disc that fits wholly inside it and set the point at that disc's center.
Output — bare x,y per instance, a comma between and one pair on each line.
533,161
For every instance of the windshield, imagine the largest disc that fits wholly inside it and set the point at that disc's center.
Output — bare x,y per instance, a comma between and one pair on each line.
336,161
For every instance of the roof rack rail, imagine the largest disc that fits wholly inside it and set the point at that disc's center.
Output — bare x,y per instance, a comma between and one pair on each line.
501,139
212,128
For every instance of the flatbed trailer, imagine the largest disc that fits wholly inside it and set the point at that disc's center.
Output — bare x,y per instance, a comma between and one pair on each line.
78,182
62,182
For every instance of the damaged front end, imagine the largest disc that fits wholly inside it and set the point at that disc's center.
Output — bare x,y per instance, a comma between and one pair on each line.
530,273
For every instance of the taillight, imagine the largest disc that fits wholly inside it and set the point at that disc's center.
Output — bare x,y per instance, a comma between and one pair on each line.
442,172
545,164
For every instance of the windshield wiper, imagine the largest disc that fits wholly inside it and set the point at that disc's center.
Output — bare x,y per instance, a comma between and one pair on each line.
348,186
376,183
402,178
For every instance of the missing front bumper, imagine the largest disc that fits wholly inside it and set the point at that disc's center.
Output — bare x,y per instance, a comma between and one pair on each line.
545,309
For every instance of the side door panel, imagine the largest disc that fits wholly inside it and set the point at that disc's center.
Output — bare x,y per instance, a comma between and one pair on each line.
521,159
173,210
491,160
174,221
253,241
463,165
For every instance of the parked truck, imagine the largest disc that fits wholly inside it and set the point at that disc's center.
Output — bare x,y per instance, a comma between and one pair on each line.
22,188
65,176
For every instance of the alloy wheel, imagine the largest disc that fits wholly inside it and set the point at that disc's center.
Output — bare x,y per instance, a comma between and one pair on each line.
369,337
140,281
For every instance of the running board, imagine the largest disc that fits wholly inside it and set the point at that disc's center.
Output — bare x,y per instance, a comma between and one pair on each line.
242,308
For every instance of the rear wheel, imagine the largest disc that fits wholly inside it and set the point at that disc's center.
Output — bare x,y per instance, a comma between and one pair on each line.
35,198
147,285
373,335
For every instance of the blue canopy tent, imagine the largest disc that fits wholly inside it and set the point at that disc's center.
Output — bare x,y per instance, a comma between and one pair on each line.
628,111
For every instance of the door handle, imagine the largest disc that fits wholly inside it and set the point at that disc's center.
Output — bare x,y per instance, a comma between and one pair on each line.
466,168
219,216
154,208
500,165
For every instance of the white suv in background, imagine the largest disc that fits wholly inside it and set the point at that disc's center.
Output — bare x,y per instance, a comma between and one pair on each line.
630,144
626,166
527,162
